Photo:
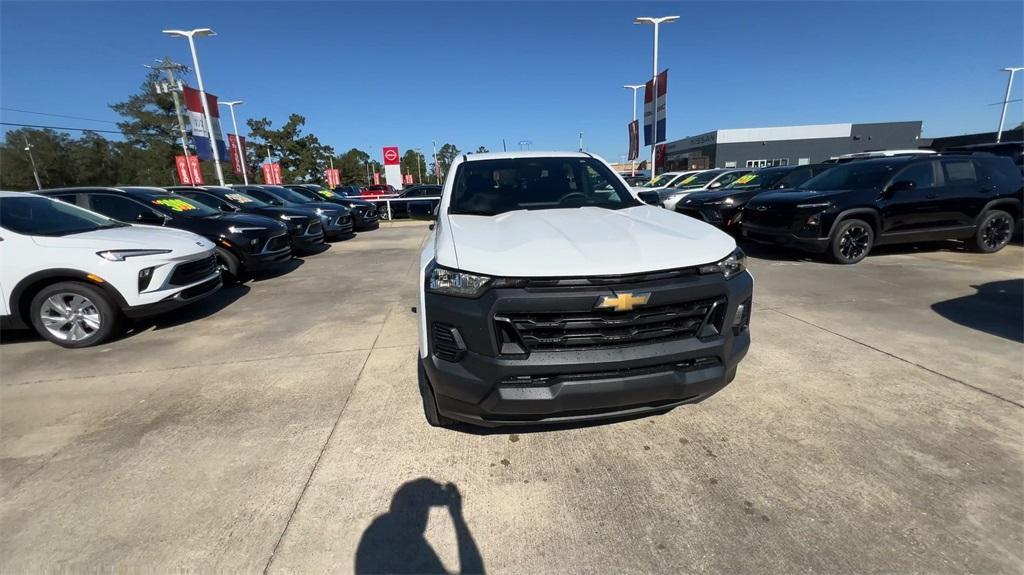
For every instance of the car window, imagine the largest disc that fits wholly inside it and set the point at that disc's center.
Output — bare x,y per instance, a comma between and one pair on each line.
922,174
697,180
729,178
854,175
289,195
792,179
118,207
38,216
959,171
660,181
489,187
264,196
175,206
208,200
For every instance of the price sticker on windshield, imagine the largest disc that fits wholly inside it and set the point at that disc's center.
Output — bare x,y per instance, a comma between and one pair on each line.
746,178
327,193
687,180
175,204
238,198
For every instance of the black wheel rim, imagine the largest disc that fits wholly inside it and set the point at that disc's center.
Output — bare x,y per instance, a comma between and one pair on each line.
996,232
854,242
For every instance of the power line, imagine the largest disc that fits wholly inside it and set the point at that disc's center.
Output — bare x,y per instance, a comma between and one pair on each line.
57,115
60,128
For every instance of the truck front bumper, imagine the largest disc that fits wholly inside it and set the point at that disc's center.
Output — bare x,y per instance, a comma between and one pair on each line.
489,389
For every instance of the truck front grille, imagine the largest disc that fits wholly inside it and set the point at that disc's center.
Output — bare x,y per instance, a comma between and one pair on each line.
565,330
193,271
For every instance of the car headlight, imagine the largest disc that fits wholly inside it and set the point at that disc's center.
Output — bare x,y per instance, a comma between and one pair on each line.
120,255
731,266
454,282
319,211
287,218
239,229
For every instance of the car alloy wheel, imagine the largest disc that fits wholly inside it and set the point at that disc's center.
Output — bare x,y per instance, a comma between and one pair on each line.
997,232
70,317
854,242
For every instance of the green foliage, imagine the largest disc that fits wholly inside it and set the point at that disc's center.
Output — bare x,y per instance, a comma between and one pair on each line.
415,163
302,157
481,150
446,154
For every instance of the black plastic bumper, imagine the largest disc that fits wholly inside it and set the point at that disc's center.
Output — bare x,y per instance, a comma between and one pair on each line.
307,242
262,261
182,298
488,389
784,238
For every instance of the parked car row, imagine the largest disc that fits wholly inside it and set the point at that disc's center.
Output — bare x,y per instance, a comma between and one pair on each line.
77,261
847,207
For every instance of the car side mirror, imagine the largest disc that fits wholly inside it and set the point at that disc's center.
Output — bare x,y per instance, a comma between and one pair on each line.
650,197
422,210
900,186
152,218
715,185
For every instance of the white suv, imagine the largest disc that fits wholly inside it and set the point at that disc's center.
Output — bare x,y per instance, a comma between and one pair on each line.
550,293
73,274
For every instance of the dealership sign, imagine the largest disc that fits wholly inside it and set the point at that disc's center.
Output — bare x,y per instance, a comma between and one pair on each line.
272,174
201,134
634,140
238,163
188,170
649,108
333,177
392,167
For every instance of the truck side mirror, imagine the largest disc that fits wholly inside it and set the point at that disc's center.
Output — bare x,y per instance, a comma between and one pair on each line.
650,197
422,210
151,218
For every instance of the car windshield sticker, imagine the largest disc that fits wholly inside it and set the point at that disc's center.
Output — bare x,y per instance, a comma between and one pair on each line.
688,179
175,204
238,198
327,193
745,179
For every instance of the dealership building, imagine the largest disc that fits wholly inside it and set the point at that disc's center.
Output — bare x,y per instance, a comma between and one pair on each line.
787,145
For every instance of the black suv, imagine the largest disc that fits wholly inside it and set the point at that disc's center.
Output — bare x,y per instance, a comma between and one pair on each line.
336,220
244,242
852,207
722,207
304,228
400,209
364,213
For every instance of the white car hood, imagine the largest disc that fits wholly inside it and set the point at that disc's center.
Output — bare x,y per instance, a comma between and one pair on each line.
130,237
579,242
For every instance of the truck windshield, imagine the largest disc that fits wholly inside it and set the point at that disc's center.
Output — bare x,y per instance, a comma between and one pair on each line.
863,174
490,187
46,217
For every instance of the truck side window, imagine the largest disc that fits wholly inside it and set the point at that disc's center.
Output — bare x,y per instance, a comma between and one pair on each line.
959,171
922,174
118,208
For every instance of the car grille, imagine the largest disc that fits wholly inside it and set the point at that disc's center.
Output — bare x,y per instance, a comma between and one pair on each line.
314,229
277,243
768,218
342,220
553,331
193,271
447,342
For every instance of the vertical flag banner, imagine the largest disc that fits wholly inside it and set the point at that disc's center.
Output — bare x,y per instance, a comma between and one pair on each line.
659,156
272,174
276,168
634,140
189,172
376,179
237,145
649,104
202,135
333,177
392,166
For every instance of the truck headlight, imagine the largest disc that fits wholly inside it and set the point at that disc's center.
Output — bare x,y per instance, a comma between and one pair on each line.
731,266
242,230
454,282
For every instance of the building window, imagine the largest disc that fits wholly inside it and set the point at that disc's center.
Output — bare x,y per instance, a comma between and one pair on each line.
730,164
803,161
767,163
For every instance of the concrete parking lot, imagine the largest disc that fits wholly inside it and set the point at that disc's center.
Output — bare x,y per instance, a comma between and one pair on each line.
875,426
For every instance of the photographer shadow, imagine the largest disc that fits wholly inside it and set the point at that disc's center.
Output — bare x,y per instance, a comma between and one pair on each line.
395,541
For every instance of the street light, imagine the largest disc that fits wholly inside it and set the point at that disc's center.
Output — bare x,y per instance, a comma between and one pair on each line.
419,164
1006,100
238,144
35,172
191,34
634,87
654,88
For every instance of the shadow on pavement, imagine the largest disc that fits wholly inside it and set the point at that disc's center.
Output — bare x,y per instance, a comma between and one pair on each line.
206,307
278,270
395,542
997,308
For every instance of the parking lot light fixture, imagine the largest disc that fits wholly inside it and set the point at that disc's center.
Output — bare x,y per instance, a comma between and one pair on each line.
634,87
238,144
1006,100
190,35
656,22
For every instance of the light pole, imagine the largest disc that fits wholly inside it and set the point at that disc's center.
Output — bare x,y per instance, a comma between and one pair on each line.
654,87
419,163
634,87
238,144
437,169
1006,100
191,34
581,141
35,172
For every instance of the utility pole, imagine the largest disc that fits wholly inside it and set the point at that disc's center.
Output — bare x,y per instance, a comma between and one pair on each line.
35,172
1006,100
581,141
169,67
419,163
437,168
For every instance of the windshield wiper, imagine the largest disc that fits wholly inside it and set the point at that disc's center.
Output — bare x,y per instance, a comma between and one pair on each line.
473,213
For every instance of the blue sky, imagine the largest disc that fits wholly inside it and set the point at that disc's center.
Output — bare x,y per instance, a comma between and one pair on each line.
386,73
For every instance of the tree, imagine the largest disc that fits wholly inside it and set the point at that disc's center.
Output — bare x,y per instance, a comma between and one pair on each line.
302,157
481,150
445,156
51,151
151,126
414,163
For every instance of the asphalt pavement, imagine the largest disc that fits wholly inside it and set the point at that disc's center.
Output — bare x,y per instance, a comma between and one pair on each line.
877,425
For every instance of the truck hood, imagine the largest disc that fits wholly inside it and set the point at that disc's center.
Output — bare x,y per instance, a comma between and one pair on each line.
583,241
794,197
130,237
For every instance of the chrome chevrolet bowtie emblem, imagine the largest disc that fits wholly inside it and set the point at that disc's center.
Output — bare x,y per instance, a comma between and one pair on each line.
624,301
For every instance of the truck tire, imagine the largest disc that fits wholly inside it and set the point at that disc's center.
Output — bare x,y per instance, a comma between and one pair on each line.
851,242
994,231
74,314
434,418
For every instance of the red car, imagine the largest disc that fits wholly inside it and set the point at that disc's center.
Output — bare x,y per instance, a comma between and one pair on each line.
379,190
